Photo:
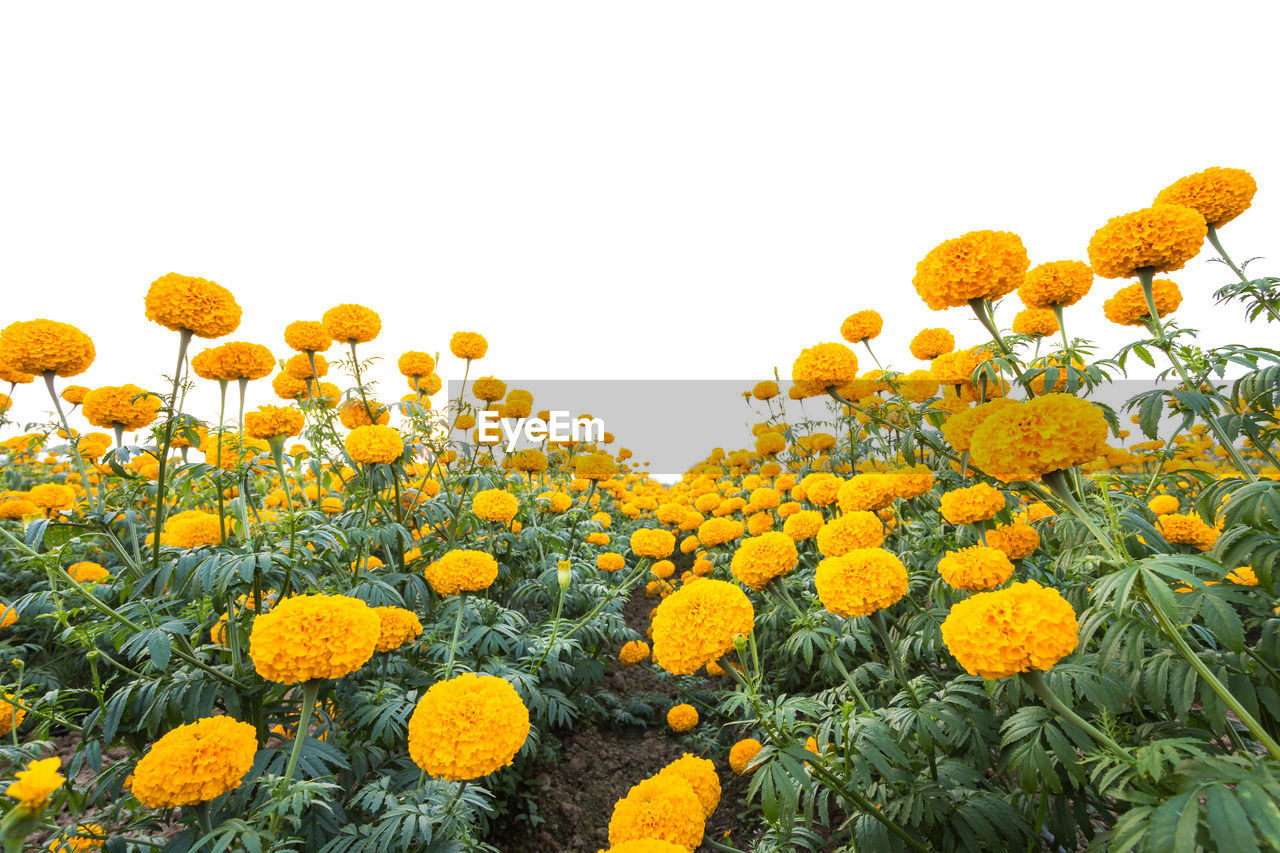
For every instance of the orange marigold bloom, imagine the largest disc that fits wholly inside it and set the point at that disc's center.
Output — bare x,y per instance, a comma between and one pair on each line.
765,390
116,404
1163,504
1025,441
1035,323
633,652
861,326
467,727
489,388
468,345
610,561
87,572
865,491
307,336
742,752
1129,306
718,531
273,421
977,567
11,716
240,360
496,505
976,503
1021,628
74,394
700,773
184,302
1017,540
195,763
976,265
1056,283
461,570
1217,194
416,364
313,636
960,427
1162,237
374,444
397,626
351,323
803,525
824,366
760,559
52,497
33,785
682,717
665,810
696,625
595,466
850,531
46,346
650,542
356,414
928,344
299,366
1187,529
192,528
860,582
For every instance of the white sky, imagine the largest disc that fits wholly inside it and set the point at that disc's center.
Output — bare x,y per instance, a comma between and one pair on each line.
645,190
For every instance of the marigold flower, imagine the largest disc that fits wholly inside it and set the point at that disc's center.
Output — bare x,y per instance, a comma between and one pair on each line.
184,302
299,366
860,582
495,505
765,390
274,422
307,336
633,652
46,346
468,345
928,344
682,717
824,366
1217,194
74,394
1018,540
741,753
696,625
415,365
975,568
1035,323
467,727
659,809
610,561
351,323
313,636
1187,529
52,497
911,482
647,845
528,461
1059,283
650,542
701,776
976,265
760,559
1243,575
851,530
462,570
719,531
237,360
196,763
11,716
803,525
488,388
374,444
1162,238
398,626
1129,306
34,784
1163,504
865,492
595,466
84,838
1027,440
861,326
87,572
976,503
120,404
1021,628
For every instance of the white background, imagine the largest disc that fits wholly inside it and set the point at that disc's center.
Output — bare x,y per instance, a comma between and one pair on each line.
644,190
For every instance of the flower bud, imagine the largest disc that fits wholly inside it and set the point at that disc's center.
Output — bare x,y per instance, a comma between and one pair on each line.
563,575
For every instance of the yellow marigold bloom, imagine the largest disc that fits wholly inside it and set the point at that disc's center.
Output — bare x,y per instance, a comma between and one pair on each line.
33,785
299,366
861,326
184,302
741,753
976,503
374,444
1021,628
610,562
659,809
467,727
718,531
239,360
1162,237
765,390
285,386
356,414
116,404
1018,540
595,466
16,508
803,525
313,636
495,505
682,717
758,523
1035,323
1056,283
468,345
74,394
770,443
976,265
646,845
1243,575
228,452
461,570
960,427
928,344
911,482
11,716
415,364
860,582
1129,306
701,776
84,838
8,616
976,568
529,461
633,652
865,491
824,366
87,572
351,323
489,388
52,497
197,762
398,626
1187,529
331,505
46,346
853,530
663,569
307,336
273,421
1028,440
556,502
1163,504
1217,194
650,542
697,623
760,559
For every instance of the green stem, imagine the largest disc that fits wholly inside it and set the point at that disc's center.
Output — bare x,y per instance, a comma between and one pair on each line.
1213,239
184,339
457,631
310,692
73,441
1035,680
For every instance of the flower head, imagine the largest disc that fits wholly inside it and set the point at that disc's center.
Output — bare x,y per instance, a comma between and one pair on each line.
126,405
1060,283
351,323
696,625
824,366
1162,238
273,422
976,503
653,543
1217,194
861,326
33,785
462,570
928,344
1020,628
467,727
374,444
977,567
313,636
1027,440
682,717
495,505
1129,306
760,559
398,626
195,763
860,529
46,346
977,265
659,809
468,345
307,336
742,752
860,582
197,305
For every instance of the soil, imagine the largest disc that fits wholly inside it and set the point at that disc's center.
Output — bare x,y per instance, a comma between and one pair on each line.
575,795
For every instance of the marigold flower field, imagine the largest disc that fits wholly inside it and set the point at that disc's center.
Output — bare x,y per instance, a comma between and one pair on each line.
961,604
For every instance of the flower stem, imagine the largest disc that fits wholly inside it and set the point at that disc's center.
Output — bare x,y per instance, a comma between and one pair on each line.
1035,680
